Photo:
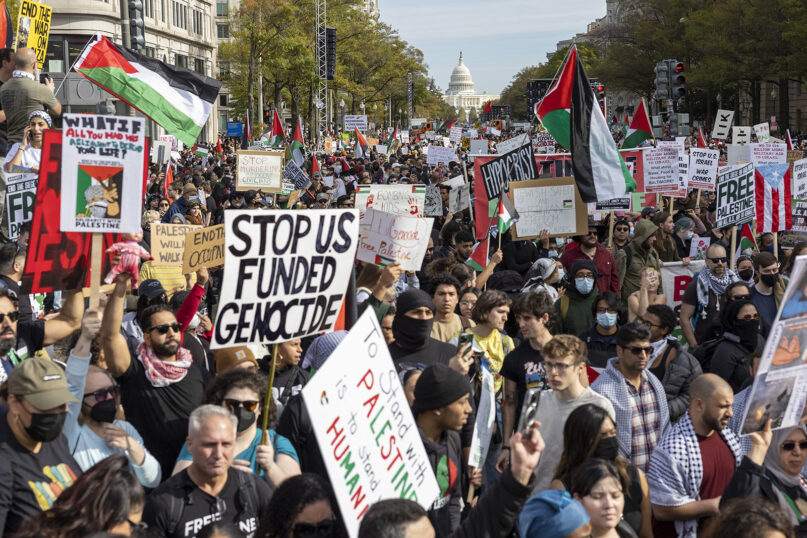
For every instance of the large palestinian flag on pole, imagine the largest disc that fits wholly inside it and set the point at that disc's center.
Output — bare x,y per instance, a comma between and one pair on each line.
178,99
554,109
640,129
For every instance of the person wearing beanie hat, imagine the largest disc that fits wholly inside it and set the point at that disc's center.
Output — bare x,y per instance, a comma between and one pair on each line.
180,206
574,308
34,455
553,514
589,249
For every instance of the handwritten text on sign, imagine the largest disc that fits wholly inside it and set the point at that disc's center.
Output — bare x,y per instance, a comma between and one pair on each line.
390,238
260,170
168,242
203,248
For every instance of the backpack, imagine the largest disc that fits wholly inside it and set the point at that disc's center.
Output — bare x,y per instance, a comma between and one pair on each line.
706,351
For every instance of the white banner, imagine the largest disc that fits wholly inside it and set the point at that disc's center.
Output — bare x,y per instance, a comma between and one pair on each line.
703,165
675,276
763,131
800,179
387,238
722,124
479,147
440,154
355,120
506,146
405,200
768,153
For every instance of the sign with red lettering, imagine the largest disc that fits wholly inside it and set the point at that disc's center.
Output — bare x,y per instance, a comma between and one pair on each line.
675,277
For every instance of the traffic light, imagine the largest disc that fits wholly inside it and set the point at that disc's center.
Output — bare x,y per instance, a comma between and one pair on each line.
679,80
137,27
330,52
600,92
267,116
662,81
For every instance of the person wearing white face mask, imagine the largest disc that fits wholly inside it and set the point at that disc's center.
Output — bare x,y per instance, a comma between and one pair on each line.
600,340
574,308
683,233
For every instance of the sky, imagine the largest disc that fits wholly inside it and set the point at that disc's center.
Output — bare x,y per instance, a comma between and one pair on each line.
497,37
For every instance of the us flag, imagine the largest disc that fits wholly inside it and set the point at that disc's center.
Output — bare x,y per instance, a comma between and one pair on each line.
773,197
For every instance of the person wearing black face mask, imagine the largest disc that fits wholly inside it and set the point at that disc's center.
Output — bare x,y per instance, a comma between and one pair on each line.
742,335
769,290
35,462
590,433
91,428
242,391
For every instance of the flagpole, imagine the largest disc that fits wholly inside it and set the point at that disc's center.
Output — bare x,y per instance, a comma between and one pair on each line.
732,261
80,56
776,245
610,229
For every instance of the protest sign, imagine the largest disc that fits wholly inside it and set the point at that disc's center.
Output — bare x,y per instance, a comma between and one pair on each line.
352,121
548,204
698,246
511,167
203,248
364,428
33,29
465,143
160,152
405,200
735,195
799,216
677,144
234,129
259,170
479,147
459,198
768,153
176,144
455,134
675,276
780,384
20,196
103,162
703,168
640,200
285,274
543,142
456,181
295,176
485,417
722,124
614,204
434,202
56,260
794,155
800,180
430,135
683,177
506,146
763,132
740,135
738,153
168,242
440,154
381,149
387,238
404,137
660,169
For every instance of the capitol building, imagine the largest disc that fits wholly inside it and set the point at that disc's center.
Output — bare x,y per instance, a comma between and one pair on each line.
461,93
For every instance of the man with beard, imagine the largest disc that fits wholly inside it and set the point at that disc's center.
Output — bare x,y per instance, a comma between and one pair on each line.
160,384
21,339
590,249
694,461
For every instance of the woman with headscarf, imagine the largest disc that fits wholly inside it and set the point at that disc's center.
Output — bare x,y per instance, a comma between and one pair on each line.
28,153
540,277
772,470
731,359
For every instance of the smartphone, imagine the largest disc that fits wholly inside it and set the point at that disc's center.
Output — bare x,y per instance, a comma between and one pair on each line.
464,338
529,410
43,78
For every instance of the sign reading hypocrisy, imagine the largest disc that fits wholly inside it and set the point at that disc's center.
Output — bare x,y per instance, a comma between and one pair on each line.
517,165
285,274
366,433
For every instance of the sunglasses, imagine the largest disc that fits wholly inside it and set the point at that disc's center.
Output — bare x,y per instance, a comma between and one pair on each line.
322,529
746,297
12,316
748,317
104,394
163,204
787,446
163,329
719,260
233,404
636,350
621,229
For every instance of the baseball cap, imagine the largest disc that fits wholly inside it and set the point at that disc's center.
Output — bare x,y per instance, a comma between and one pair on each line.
231,357
189,188
647,211
150,288
322,197
41,382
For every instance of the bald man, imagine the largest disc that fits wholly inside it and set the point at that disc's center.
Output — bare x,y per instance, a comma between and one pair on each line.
23,94
694,461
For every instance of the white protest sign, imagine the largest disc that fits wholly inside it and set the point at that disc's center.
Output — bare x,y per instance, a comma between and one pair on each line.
405,200
768,153
683,176
800,179
459,198
285,274
381,149
740,135
430,135
404,136
722,124
735,195
479,147
456,181
737,153
259,170
355,120
176,144
703,165
678,144
543,142
387,238
455,134
160,151
698,246
20,198
548,204
660,169
763,131
614,204
494,132
102,165
675,276
439,154
364,428
506,146
471,133
485,417
434,202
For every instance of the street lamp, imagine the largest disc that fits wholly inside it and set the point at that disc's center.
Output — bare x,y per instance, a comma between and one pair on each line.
342,111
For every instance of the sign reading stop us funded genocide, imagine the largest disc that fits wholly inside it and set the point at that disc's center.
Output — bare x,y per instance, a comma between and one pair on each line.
285,274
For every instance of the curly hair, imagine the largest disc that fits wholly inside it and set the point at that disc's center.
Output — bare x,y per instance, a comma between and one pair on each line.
288,500
489,300
749,517
100,499
239,378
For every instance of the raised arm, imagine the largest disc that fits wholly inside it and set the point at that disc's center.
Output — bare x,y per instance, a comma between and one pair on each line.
116,352
68,320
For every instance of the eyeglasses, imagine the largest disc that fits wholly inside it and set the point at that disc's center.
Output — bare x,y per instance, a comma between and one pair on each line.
322,529
163,204
787,446
606,311
636,350
559,366
104,394
748,317
745,297
649,324
13,316
719,260
233,404
163,329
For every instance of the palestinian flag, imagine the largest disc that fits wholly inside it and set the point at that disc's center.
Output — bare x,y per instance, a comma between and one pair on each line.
625,125
746,240
555,108
382,260
200,151
701,139
178,99
640,129
361,141
488,108
314,166
446,126
505,216
391,141
278,136
613,122
218,146
296,150
169,179
598,168
479,258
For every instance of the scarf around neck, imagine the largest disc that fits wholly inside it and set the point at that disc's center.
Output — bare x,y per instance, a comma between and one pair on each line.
707,281
162,373
23,74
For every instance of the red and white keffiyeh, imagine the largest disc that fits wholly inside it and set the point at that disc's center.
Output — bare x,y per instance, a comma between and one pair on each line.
162,373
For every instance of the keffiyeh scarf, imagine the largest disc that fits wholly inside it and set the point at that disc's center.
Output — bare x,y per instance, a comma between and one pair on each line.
707,281
162,373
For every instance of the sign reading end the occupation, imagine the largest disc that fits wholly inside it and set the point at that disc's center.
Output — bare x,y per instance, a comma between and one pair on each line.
285,274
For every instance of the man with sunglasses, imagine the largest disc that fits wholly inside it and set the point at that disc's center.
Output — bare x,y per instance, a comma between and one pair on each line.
12,265
638,397
589,249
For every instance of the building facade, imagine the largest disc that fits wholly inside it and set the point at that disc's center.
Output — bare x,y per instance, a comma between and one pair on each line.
178,32
461,93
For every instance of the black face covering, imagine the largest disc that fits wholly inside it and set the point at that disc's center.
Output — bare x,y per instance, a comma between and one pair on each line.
411,333
104,411
245,418
769,280
747,331
45,427
746,274
607,449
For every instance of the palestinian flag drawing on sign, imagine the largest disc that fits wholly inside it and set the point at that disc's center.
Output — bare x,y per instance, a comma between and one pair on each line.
178,99
98,191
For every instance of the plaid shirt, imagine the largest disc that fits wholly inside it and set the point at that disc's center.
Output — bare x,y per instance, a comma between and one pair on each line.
645,422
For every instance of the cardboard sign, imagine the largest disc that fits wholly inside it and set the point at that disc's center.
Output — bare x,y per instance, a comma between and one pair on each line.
511,167
355,120
434,202
722,124
294,176
364,428
203,248
56,260
800,180
160,152
381,149
799,217
768,153
660,169
259,170
506,146
405,200
33,29
543,142
794,155
20,197
455,134
479,147
698,246
735,195
763,132
285,274
459,198
387,238
103,164
703,165
168,242
548,204
440,154
675,277
741,135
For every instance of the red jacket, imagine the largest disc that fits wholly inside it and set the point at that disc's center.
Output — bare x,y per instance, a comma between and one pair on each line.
607,278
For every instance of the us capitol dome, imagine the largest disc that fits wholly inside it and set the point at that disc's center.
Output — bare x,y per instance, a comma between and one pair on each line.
461,93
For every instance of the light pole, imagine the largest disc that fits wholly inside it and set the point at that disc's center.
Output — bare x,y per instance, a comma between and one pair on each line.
342,112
